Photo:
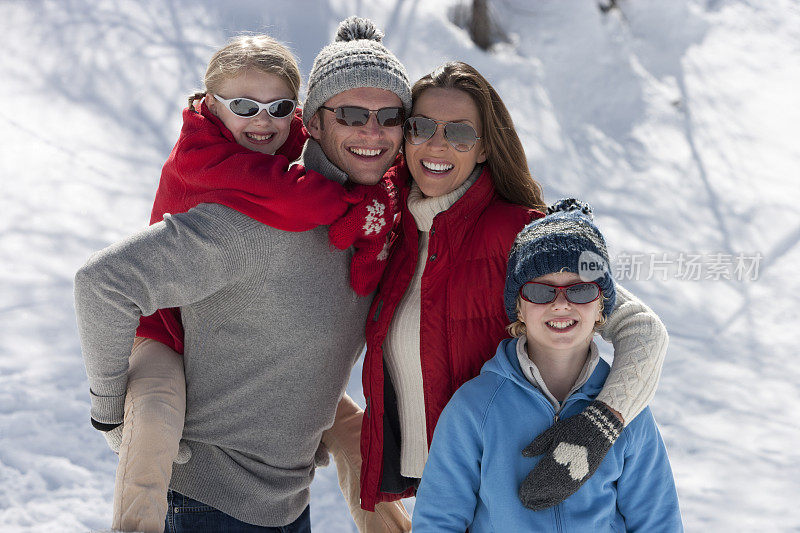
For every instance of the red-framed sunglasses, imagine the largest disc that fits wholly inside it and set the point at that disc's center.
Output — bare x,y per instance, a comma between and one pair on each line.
583,292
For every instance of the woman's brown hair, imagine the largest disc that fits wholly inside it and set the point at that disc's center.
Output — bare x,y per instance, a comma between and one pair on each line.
504,153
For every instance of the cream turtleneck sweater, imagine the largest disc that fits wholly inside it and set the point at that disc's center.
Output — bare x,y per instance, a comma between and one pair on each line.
401,347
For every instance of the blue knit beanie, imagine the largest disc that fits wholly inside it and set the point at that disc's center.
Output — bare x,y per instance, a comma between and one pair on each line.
564,239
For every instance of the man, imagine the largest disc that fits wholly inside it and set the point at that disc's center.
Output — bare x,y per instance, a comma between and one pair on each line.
263,378
364,75
352,81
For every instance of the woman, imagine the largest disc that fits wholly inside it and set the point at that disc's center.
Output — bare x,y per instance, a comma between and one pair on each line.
439,310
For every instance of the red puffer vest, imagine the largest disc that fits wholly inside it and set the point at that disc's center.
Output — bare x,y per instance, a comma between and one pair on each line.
462,313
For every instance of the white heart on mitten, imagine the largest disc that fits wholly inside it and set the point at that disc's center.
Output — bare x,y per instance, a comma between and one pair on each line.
574,457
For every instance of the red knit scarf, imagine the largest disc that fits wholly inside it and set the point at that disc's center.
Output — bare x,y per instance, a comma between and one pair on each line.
207,165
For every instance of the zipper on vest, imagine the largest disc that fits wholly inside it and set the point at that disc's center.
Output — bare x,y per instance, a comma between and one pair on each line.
377,310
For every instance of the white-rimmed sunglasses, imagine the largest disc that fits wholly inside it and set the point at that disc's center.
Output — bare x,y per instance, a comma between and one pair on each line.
248,108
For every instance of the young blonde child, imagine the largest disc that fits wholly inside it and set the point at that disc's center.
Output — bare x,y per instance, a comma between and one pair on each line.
234,149
559,290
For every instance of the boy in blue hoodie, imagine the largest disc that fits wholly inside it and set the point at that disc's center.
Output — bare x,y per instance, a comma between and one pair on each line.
558,291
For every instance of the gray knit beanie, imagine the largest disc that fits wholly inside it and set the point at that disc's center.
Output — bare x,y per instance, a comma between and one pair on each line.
565,238
355,59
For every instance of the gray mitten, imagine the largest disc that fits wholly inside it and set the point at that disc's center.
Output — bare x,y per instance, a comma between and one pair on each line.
184,453
322,457
574,448
114,438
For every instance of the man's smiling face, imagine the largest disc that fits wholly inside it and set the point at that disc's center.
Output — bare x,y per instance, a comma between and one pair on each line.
366,152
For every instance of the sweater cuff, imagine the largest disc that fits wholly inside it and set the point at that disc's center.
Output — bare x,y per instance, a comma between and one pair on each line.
105,428
107,409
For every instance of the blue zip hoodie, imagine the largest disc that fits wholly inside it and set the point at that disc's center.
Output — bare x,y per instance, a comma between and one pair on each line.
475,466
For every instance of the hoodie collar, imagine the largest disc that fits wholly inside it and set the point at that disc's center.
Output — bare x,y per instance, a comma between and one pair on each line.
534,376
506,363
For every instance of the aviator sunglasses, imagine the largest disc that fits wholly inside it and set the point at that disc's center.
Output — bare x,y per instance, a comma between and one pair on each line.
247,108
577,293
460,135
350,115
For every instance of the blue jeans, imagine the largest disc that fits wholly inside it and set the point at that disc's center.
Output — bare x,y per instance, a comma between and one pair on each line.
185,515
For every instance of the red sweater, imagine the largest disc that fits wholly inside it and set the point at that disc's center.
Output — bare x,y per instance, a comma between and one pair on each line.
207,165
462,314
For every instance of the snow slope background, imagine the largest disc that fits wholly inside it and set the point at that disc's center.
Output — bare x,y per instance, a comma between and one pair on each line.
677,120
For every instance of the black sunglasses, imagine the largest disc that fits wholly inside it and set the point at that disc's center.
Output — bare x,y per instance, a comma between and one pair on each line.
460,135
351,115
248,108
577,293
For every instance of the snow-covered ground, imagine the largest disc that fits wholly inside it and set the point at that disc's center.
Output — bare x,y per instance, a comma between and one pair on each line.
677,120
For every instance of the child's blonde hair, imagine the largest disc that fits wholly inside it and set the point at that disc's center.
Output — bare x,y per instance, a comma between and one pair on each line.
517,328
260,52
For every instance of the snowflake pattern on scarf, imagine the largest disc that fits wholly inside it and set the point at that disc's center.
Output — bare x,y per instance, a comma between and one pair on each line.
374,222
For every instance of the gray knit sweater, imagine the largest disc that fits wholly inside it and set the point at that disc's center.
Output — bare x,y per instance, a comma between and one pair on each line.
272,332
